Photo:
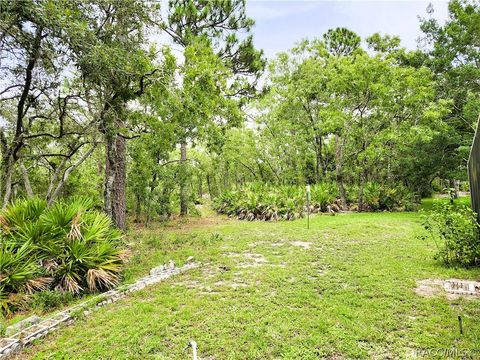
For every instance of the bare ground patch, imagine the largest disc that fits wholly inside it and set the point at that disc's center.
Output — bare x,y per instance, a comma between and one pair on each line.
248,259
437,287
303,244
430,287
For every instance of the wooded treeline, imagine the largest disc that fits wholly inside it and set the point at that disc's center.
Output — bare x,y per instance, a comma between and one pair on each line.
91,104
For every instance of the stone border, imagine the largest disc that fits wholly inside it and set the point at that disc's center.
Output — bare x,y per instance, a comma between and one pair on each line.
25,337
462,287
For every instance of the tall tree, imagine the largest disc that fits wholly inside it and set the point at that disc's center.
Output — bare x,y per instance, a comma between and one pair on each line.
41,104
117,68
453,54
367,110
215,23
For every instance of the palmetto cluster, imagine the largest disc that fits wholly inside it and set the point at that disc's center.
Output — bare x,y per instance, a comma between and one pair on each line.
65,247
269,203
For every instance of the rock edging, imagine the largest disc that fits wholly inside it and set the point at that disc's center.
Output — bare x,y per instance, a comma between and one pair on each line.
25,337
462,287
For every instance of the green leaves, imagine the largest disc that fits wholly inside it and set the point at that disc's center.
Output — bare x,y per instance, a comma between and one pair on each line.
271,203
68,247
455,231
378,107
454,56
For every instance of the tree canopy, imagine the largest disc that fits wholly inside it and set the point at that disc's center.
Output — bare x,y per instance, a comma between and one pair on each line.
89,102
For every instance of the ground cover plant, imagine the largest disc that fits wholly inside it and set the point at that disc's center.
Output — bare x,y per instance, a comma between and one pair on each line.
271,202
343,289
68,247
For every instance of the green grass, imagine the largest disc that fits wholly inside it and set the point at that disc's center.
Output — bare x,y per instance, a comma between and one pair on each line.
427,203
260,295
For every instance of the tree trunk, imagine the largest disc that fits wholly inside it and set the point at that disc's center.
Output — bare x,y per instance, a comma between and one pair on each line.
319,168
7,174
10,156
456,187
361,190
209,186
183,179
26,180
115,166
339,171
119,207
200,186
109,173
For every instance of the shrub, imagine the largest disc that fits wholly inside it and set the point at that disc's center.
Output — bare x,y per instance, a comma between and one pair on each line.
455,231
19,275
323,195
68,247
384,197
372,194
261,202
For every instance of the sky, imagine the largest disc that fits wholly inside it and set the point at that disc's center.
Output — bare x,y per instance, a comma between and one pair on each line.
280,24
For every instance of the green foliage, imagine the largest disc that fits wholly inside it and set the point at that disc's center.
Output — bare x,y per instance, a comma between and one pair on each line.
270,203
19,275
49,299
453,55
455,230
261,202
67,247
382,197
258,201
323,195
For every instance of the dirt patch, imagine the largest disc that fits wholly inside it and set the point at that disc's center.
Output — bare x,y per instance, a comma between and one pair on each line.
259,243
430,287
256,243
182,224
189,284
235,284
248,259
303,244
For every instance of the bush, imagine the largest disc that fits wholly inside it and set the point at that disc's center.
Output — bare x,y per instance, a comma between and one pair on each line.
391,198
261,202
323,195
19,274
455,231
67,247
371,195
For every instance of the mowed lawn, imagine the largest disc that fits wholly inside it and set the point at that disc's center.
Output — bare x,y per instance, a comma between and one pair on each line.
342,290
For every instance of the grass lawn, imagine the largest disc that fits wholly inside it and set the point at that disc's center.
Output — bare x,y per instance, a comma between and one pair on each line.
343,289
427,203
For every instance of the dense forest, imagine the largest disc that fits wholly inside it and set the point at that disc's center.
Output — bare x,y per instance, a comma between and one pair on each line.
150,111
